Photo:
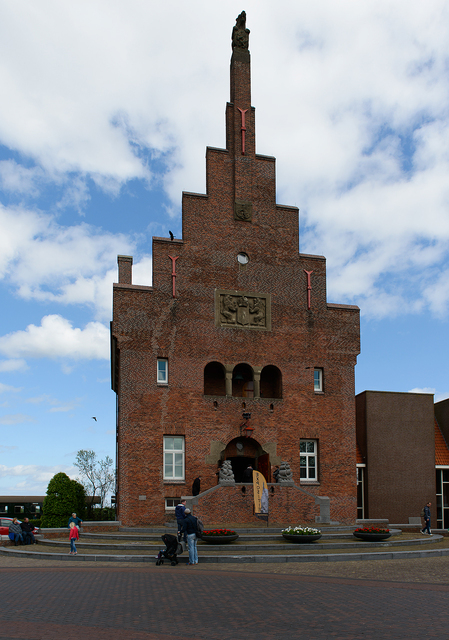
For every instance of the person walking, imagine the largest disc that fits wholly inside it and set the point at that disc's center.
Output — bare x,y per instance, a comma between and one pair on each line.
180,515
426,528
73,535
190,526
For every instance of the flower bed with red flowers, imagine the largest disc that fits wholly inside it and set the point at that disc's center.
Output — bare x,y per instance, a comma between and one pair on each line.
371,530
218,532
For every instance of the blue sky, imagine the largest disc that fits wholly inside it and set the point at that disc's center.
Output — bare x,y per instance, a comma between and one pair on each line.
107,110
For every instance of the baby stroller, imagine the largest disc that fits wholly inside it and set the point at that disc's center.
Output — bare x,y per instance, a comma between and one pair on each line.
172,549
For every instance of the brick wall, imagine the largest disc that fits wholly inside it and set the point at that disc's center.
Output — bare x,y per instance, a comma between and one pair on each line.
396,435
149,323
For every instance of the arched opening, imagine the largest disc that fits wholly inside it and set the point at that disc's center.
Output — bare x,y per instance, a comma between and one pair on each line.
270,382
242,381
214,379
243,452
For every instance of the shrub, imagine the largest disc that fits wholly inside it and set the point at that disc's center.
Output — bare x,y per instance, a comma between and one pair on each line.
64,496
105,514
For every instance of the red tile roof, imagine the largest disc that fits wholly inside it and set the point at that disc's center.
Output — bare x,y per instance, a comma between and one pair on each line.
441,448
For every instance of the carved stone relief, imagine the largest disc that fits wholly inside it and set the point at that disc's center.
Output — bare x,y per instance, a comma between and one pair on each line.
243,211
242,310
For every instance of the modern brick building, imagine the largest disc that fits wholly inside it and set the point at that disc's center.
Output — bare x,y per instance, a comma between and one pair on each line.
236,323
402,456
396,447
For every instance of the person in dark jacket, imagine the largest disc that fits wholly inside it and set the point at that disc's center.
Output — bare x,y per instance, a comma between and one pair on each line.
196,486
190,527
248,474
180,515
78,522
427,519
27,532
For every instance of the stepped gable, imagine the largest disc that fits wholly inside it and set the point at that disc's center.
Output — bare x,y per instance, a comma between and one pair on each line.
235,324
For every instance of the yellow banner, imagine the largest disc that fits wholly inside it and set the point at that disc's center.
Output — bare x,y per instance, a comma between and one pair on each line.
260,493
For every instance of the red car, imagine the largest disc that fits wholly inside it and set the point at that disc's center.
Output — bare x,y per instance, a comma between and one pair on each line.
4,526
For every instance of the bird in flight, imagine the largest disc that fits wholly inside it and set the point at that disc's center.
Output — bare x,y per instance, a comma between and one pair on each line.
94,418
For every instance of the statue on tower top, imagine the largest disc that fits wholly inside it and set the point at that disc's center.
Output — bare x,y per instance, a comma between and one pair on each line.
240,34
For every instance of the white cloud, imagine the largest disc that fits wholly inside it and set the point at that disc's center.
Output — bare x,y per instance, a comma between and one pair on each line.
6,387
352,99
49,262
56,338
16,418
422,390
18,179
65,408
31,479
13,365
56,405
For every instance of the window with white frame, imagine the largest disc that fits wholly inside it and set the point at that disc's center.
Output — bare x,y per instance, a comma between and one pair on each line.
170,503
162,371
318,380
308,460
174,457
442,495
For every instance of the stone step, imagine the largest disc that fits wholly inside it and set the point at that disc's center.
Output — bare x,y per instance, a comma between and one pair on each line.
246,537
234,547
239,558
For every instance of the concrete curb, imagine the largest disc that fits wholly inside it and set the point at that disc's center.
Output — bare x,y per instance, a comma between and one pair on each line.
330,557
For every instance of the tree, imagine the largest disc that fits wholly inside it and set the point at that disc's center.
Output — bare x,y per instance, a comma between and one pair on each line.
64,497
97,476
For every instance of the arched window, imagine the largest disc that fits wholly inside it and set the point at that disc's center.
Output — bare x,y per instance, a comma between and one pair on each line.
270,382
214,379
243,381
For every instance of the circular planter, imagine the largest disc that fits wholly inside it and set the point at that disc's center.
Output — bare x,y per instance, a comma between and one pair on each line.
219,539
302,539
371,537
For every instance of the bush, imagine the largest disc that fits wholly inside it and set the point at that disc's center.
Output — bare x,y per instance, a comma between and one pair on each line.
107,513
64,496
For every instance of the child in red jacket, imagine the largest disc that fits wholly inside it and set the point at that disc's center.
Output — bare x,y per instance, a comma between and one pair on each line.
73,535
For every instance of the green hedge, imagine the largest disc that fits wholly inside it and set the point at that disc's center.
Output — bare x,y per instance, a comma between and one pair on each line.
107,513
64,497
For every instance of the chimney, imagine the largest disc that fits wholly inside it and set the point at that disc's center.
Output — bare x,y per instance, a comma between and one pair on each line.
125,269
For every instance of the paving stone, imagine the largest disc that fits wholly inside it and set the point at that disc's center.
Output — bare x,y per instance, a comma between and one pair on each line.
160,603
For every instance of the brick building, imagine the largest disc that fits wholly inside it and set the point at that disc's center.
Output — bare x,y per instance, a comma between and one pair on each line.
236,324
402,456
396,447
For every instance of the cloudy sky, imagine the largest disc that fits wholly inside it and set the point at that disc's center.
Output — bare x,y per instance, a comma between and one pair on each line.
106,110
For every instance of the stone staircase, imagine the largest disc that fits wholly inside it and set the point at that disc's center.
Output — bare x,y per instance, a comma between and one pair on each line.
254,545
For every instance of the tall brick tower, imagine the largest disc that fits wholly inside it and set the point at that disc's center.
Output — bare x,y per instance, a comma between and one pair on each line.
233,353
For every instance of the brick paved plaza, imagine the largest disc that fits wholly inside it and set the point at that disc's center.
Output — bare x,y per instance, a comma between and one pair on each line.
49,600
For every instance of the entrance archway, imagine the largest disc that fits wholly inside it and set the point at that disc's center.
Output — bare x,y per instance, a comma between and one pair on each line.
242,452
